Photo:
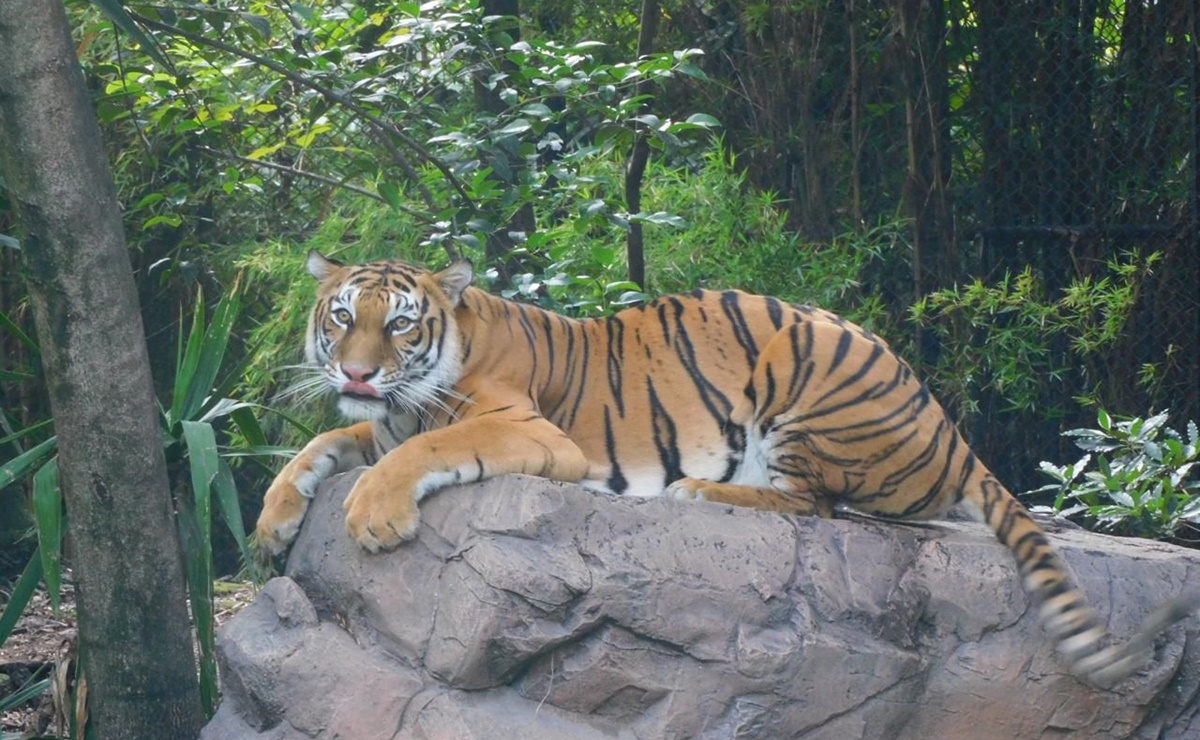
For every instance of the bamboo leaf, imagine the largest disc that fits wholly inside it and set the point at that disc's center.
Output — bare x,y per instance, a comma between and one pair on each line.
118,15
26,431
196,529
20,595
230,507
31,689
48,517
209,356
22,464
247,424
11,327
187,358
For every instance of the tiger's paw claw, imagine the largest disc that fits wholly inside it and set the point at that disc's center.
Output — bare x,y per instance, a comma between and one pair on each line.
279,522
380,519
686,489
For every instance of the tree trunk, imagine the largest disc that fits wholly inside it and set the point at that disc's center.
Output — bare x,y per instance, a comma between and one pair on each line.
500,242
635,168
134,636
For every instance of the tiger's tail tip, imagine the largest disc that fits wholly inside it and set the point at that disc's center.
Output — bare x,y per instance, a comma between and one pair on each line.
1108,666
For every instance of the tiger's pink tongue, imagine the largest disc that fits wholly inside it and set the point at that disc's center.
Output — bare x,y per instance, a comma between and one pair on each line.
359,388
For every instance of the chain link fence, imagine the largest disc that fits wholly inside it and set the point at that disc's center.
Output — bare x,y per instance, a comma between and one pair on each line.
1053,136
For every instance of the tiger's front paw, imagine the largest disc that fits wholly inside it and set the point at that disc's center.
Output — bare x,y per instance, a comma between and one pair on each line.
687,489
283,511
381,514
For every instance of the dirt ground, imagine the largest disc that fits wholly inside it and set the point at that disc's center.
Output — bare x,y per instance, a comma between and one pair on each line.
43,639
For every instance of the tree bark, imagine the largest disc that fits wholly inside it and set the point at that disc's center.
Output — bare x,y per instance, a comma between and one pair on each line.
134,635
500,242
635,168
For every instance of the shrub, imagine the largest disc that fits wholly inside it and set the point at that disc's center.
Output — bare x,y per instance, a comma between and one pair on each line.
1143,481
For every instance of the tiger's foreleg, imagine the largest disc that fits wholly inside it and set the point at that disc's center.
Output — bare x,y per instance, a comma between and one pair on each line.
381,510
287,499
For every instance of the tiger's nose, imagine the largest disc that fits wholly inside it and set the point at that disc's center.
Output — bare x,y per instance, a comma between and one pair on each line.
359,373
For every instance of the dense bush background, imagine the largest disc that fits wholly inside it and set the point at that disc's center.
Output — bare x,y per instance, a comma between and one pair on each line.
1006,191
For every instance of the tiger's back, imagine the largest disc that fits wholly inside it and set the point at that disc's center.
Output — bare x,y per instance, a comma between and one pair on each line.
724,396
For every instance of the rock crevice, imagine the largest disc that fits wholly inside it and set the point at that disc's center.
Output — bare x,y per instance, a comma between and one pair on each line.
532,609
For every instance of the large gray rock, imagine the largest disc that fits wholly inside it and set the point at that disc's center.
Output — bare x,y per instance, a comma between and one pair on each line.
530,609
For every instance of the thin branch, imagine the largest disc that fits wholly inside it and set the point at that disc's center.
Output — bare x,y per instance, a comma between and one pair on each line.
423,218
381,128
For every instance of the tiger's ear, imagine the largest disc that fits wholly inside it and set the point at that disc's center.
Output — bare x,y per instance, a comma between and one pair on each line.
455,279
320,266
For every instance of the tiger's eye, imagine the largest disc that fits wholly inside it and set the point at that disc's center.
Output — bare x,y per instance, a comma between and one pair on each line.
343,317
399,325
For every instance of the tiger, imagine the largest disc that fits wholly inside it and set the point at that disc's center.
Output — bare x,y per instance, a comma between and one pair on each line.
722,396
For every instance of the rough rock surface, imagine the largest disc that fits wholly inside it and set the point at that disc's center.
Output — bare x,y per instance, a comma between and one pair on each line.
530,609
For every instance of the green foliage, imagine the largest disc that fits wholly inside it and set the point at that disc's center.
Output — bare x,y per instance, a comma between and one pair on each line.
199,415
1028,348
32,688
1144,480
434,109
738,237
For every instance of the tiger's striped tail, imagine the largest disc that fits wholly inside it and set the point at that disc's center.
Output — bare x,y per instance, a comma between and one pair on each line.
1092,652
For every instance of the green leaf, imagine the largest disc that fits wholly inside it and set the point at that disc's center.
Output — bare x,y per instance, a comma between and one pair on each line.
661,218
22,464
48,517
11,327
169,219
27,431
226,493
204,355
260,451
247,424
195,519
703,119
187,359
31,689
518,126
20,595
390,192
118,15
220,408
203,462
541,110
259,23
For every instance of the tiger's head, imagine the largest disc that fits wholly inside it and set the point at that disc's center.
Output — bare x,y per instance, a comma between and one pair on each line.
384,334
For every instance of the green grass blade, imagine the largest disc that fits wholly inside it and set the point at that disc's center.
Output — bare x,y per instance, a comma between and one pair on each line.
21,465
31,689
187,358
21,593
26,431
11,376
299,425
258,451
220,407
48,517
210,355
231,511
247,424
198,569
11,327
203,460
204,463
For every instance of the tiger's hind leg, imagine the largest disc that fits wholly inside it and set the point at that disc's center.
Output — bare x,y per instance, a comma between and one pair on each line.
769,499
